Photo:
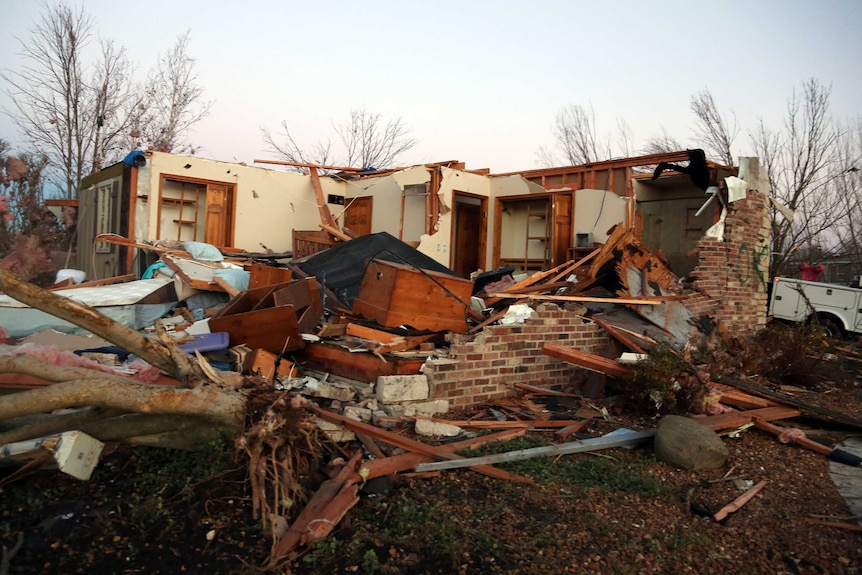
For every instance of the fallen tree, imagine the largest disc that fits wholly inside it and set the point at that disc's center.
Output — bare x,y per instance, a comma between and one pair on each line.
112,407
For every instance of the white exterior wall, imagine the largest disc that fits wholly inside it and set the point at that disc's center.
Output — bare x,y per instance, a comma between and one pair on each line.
268,203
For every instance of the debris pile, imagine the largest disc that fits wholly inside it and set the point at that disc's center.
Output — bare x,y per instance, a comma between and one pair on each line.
280,354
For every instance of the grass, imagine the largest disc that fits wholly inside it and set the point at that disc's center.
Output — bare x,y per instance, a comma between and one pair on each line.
628,475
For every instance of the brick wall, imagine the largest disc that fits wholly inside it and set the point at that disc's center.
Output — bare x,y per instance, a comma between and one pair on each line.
732,275
487,365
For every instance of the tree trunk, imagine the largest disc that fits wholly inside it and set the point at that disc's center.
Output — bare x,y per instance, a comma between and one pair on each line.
166,356
223,408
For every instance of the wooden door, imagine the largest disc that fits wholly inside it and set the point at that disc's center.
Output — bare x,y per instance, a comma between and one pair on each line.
357,216
468,239
561,232
218,215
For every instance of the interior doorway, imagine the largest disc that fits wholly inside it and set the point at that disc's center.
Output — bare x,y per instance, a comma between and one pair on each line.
469,230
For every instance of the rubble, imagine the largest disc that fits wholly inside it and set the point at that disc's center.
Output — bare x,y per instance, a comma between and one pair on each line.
358,340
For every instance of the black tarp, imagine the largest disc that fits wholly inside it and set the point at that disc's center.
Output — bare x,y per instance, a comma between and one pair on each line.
341,268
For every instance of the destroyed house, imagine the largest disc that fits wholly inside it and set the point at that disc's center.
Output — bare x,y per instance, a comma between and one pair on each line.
658,227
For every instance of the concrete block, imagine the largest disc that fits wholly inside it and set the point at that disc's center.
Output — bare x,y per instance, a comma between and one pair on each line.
398,388
432,407
357,413
430,428
334,391
336,433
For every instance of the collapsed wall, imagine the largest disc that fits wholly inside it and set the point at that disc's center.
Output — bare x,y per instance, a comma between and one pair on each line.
488,365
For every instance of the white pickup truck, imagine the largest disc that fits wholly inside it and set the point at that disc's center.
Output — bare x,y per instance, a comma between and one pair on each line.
837,308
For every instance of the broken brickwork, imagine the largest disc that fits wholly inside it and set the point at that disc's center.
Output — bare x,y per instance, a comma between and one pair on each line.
733,275
487,365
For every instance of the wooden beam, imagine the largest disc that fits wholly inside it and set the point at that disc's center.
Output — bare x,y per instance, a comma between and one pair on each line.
619,300
325,215
410,444
95,283
306,165
586,360
739,418
409,461
739,501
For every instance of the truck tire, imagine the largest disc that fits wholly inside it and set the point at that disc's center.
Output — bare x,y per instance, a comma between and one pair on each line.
831,326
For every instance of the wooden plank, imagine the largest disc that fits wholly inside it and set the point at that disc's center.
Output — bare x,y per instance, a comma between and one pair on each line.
605,442
586,360
408,461
737,503
364,332
95,283
526,282
739,418
274,329
801,441
570,429
620,300
411,444
619,335
263,275
784,399
316,507
544,391
359,366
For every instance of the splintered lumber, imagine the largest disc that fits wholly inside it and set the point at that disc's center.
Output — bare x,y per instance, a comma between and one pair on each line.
739,418
737,503
389,342
619,335
837,524
323,511
526,282
629,438
409,461
586,360
782,398
410,444
570,429
834,454
166,356
620,300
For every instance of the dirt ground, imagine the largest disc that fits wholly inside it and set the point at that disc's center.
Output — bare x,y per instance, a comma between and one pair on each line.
616,512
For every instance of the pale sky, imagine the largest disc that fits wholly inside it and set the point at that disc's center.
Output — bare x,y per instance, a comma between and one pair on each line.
478,81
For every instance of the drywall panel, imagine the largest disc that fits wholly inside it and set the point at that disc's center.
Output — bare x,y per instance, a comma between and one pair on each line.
596,211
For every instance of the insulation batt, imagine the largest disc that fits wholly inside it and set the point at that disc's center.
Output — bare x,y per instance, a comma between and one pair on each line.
143,372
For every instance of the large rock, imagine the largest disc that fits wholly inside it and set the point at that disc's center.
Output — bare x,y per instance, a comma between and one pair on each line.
683,442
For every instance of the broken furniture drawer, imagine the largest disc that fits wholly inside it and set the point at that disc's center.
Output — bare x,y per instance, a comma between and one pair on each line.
394,294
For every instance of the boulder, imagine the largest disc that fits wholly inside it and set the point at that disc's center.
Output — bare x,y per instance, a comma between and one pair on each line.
685,443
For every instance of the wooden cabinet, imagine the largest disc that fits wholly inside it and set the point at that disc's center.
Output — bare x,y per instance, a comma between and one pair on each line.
394,294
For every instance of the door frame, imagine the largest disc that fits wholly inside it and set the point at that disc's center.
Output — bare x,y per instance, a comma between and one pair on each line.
483,227
230,218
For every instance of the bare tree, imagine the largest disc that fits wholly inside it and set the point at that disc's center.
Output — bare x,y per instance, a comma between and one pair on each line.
366,141
574,131
715,132
52,106
848,187
118,105
174,101
662,144
800,163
